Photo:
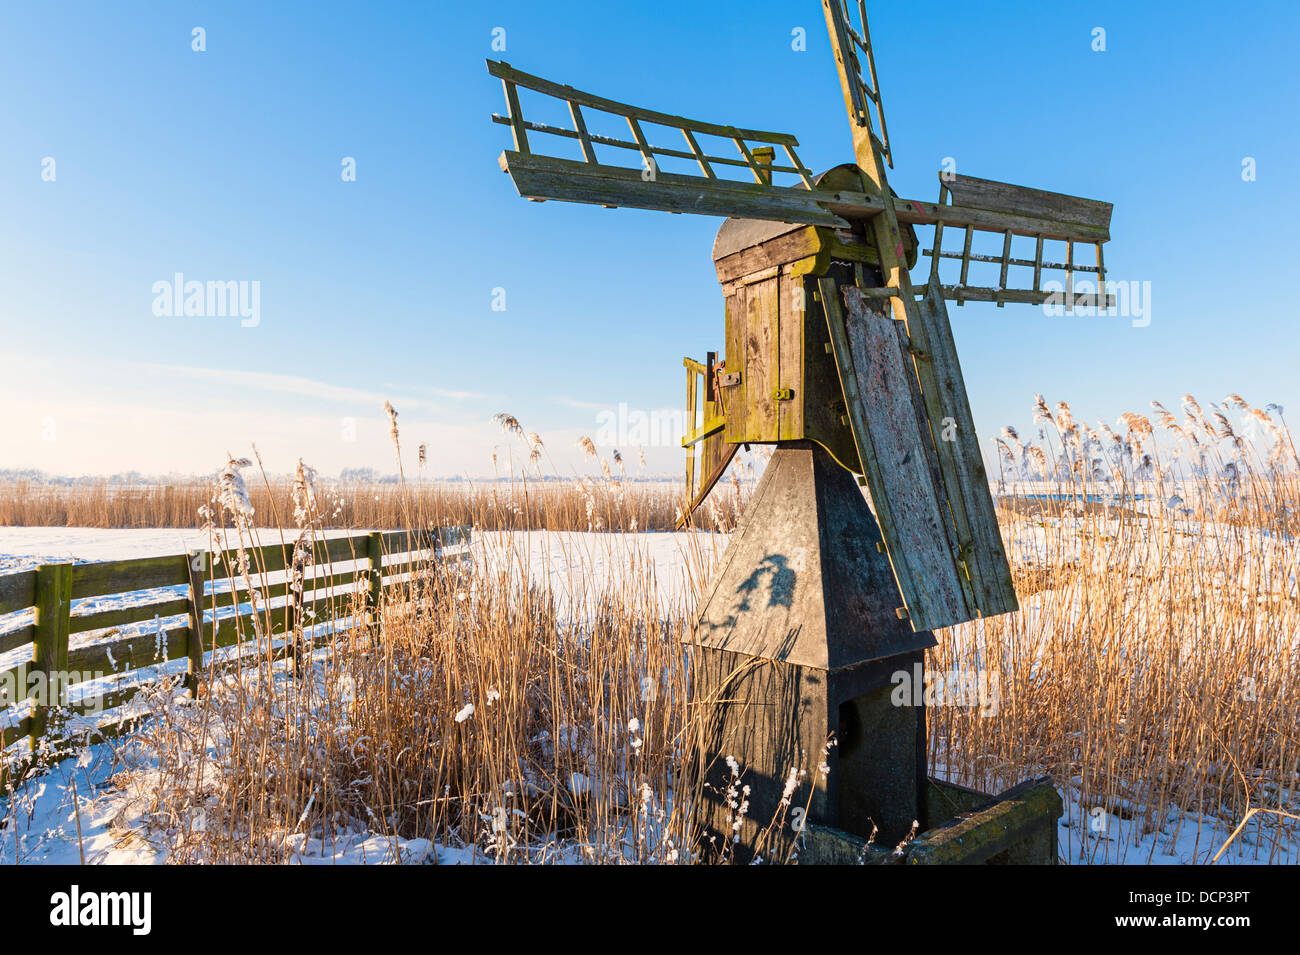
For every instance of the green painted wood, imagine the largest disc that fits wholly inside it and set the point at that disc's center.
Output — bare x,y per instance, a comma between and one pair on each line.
271,591
408,566
266,559
13,733
122,616
17,591
333,596
197,565
123,576
50,643
110,700
376,551
336,549
404,542
131,653
13,684
13,639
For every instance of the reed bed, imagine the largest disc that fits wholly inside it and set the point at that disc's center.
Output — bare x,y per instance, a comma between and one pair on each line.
513,504
1151,671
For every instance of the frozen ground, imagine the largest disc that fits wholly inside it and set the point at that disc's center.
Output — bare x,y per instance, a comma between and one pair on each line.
572,560
42,820
577,565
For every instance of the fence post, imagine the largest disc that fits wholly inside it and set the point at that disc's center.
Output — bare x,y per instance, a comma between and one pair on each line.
50,644
196,562
375,551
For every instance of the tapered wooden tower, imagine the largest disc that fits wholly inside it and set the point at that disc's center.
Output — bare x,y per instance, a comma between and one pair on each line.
803,626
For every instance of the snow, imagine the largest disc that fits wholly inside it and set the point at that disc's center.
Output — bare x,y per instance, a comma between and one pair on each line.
76,811
573,562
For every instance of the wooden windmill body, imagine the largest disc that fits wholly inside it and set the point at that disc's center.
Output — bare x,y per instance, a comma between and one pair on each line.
836,359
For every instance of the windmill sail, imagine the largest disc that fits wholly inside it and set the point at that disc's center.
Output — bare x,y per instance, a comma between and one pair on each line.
861,92
637,181
908,413
938,523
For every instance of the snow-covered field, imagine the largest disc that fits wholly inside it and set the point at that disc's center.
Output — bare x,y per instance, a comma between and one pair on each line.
569,559
75,812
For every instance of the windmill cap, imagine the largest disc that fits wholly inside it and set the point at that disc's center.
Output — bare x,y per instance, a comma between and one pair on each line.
737,234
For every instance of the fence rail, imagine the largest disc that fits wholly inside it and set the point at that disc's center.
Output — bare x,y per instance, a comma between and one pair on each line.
205,601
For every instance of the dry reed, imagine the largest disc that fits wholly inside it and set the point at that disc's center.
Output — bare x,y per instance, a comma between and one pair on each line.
1151,670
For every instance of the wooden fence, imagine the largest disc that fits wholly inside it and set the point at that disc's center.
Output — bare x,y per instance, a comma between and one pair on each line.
201,593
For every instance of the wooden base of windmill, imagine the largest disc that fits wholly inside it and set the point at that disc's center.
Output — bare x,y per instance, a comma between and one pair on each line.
797,641
800,643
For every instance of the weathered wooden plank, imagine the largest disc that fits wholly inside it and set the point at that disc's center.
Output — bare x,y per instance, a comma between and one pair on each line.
13,639
17,591
331,606
336,549
14,732
413,565
1022,200
195,564
267,558
635,147
547,177
13,684
580,127
979,541
888,420
976,293
916,212
323,577
807,249
1035,263
1020,823
516,116
763,361
455,535
375,548
121,616
505,71
732,395
693,371
131,653
404,542
111,699
124,576
714,458
753,351
789,363
50,641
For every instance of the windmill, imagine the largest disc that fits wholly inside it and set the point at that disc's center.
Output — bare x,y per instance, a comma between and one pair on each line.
834,356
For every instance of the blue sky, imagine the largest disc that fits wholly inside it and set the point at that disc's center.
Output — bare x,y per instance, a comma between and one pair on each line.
225,165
